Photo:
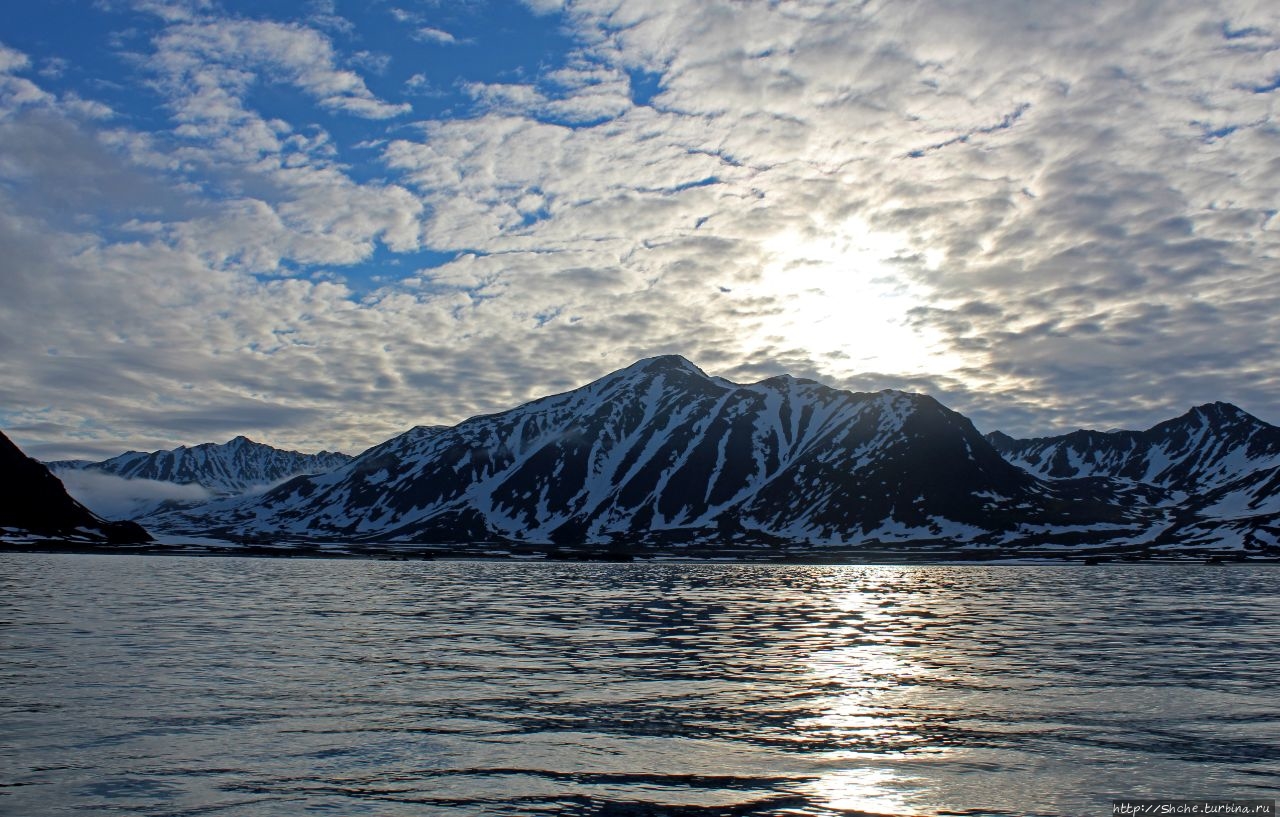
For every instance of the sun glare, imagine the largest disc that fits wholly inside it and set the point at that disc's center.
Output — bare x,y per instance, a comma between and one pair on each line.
845,301
869,715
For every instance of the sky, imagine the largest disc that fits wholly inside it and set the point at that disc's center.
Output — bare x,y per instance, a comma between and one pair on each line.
322,223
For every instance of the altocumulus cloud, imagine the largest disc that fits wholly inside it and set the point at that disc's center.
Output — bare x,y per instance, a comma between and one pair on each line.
1047,215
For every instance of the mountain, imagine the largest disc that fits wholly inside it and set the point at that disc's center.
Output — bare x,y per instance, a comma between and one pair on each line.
1216,468
1204,448
225,469
661,452
35,504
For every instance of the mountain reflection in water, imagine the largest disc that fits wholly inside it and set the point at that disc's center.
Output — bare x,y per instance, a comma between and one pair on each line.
171,686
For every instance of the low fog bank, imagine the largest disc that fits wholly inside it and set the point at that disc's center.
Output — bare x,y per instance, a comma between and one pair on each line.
113,497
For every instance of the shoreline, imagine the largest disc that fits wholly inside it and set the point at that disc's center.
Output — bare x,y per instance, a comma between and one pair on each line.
549,554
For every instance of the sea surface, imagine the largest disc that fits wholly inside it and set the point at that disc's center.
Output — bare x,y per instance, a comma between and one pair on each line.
226,686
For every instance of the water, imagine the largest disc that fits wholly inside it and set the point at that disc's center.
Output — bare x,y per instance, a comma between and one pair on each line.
182,686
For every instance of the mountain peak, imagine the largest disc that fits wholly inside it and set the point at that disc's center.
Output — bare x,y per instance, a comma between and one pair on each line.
658,365
665,363
1218,415
1219,410
223,468
1000,440
1195,452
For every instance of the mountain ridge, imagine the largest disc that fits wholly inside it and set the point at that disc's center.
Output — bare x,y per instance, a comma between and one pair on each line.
1206,445
661,454
1216,468
661,450
233,467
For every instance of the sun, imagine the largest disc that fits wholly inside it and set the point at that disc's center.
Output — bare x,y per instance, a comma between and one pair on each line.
845,300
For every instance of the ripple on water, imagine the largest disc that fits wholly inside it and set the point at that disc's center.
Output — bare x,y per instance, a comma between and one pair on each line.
153,685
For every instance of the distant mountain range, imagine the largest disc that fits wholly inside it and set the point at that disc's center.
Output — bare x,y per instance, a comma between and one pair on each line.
137,484
662,456
225,469
1215,471
660,453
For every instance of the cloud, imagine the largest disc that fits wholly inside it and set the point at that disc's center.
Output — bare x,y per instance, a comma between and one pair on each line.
191,182
579,93
1048,216
373,61
1058,166
113,497
12,60
420,85
17,92
435,35
324,14
222,57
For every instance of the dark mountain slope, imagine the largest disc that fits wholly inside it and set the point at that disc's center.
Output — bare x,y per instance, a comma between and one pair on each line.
34,502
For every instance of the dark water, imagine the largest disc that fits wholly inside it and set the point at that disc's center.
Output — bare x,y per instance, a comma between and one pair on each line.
179,686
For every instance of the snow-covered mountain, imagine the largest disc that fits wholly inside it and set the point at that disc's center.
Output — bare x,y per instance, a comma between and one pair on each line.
1216,468
661,455
34,504
228,468
1205,448
660,451
136,484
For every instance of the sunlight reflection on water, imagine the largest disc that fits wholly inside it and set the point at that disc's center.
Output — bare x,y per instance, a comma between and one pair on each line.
863,790
153,685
